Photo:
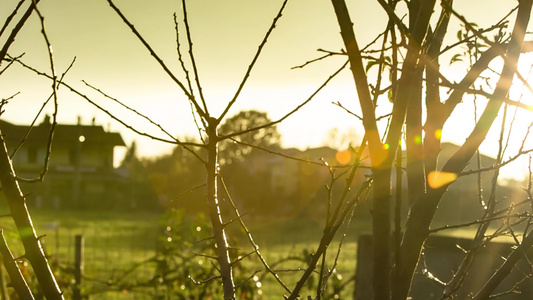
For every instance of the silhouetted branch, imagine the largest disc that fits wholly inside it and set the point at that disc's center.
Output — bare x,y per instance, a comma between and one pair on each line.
422,211
496,166
247,279
54,93
201,282
347,110
132,110
228,136
328,54
157,58
252,64
185,145
51,132
180,56
191,56
505,268
478,222
11,61
187,191
10,17
75,91
9,40
250,238
469,27
321,164
325,241
404,31
4,101
188,79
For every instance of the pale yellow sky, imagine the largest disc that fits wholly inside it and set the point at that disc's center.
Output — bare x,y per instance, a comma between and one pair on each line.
225,35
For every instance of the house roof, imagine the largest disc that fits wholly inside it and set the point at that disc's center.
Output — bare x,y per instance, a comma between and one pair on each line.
63,133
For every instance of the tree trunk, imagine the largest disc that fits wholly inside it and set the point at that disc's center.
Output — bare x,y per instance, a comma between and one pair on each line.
222,247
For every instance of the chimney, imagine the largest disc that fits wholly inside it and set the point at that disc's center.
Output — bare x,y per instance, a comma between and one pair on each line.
46,120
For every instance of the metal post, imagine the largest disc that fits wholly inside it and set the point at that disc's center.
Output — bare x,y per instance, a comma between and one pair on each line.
78,267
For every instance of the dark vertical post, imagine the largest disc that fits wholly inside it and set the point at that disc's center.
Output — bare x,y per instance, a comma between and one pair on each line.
364,271
78,267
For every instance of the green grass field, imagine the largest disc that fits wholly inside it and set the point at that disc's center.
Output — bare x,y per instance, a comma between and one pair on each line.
116,241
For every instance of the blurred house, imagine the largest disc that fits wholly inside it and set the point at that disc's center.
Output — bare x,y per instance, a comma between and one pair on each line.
288,185
80,171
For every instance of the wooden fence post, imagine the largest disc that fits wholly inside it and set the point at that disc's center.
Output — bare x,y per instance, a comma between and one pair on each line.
78,267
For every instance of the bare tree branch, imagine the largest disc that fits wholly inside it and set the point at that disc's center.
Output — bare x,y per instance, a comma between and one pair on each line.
158,59
231,135
16,29
17,279
250,238
252,64
191,56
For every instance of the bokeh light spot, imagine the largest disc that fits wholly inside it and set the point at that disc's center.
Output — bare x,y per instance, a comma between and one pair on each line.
343,157
438,133
438,179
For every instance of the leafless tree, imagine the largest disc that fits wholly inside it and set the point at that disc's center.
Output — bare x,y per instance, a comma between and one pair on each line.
421,44
34,252
409,54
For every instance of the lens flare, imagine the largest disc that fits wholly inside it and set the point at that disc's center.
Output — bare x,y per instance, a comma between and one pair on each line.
438,134
438,179
343,157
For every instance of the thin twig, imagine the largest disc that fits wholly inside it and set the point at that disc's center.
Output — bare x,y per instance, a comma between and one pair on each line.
188,79
250,238
157,58
10,63
476,222
328,54
191,56
347,110
54,93
187,191
16,29
5,101
75,91
252,64
132,110
223,137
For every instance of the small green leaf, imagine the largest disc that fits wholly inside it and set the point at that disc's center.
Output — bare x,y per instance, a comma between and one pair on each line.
456,58
370,64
